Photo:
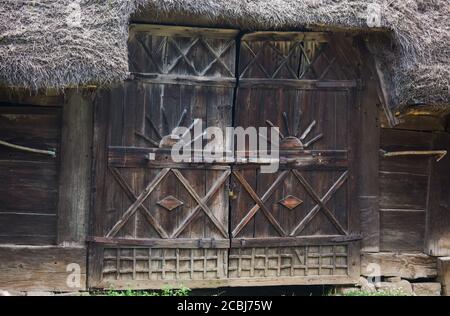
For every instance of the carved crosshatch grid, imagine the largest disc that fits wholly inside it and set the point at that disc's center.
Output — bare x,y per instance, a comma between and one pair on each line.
288,261
163,264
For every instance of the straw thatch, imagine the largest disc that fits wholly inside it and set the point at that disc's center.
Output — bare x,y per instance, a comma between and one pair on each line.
49,43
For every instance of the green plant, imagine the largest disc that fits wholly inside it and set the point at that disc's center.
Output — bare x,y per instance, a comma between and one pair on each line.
387,292
167,291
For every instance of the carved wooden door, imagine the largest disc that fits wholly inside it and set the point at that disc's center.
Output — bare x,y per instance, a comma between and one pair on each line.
298,225
156,221
200,224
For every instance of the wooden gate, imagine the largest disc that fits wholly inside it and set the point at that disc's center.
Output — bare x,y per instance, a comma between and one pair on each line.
158,222
298,225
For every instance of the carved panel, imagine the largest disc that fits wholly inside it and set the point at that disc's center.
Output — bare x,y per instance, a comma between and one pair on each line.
182,51
152,264
288,261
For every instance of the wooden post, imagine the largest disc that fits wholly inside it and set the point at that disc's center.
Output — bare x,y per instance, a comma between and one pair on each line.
444,274
75,175
369,144
437,228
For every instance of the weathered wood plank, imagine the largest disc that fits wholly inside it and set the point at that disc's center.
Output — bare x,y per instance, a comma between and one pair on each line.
165,243
22,228
29,190
368,166
42,268
437,239
405,265
75,175
444,274
48,97
403,191
234,282
183,31
402,230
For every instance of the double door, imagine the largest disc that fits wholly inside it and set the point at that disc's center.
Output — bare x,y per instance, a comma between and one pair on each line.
203,223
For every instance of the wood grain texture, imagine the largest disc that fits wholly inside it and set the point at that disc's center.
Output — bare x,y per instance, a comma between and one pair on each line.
444,274
29,190
76,160
368,155
405,265
290,84
41,268
437,239
180,76
404,187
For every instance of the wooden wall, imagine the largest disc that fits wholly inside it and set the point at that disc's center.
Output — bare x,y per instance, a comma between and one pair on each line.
403,184
414,194
29,189
44,201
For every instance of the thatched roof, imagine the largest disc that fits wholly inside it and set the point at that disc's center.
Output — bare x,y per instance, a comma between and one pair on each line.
43,43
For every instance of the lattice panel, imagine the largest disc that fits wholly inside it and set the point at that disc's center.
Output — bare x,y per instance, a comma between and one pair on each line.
182,53
289,59
149,264
288,261
278,59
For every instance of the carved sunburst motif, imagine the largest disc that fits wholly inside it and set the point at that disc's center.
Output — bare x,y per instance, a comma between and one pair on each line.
295,140
168,139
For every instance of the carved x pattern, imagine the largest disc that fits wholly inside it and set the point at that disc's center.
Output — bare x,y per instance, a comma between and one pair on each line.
310,60
217,56
137,203
321,203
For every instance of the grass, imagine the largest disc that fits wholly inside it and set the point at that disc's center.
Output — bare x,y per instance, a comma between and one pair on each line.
377,293
182,291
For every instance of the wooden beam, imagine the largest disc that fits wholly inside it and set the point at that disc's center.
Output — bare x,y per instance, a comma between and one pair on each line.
183,31
437,227
49,97
233,282
75,168
444,274
404,265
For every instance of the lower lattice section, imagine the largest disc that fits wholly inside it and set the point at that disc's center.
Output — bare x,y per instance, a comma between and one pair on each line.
288,261
164,264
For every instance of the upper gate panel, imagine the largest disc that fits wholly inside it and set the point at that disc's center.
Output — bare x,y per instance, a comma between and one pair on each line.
292,56
182,51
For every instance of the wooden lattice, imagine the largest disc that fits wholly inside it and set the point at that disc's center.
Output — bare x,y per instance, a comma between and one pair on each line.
288,261
163,264
171,54
297,59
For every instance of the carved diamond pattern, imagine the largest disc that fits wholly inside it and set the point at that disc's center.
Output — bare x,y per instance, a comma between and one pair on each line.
170,203
290,202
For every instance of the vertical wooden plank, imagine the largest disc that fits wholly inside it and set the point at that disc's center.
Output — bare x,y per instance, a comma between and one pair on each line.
368,156
76,160
99,165
437,230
